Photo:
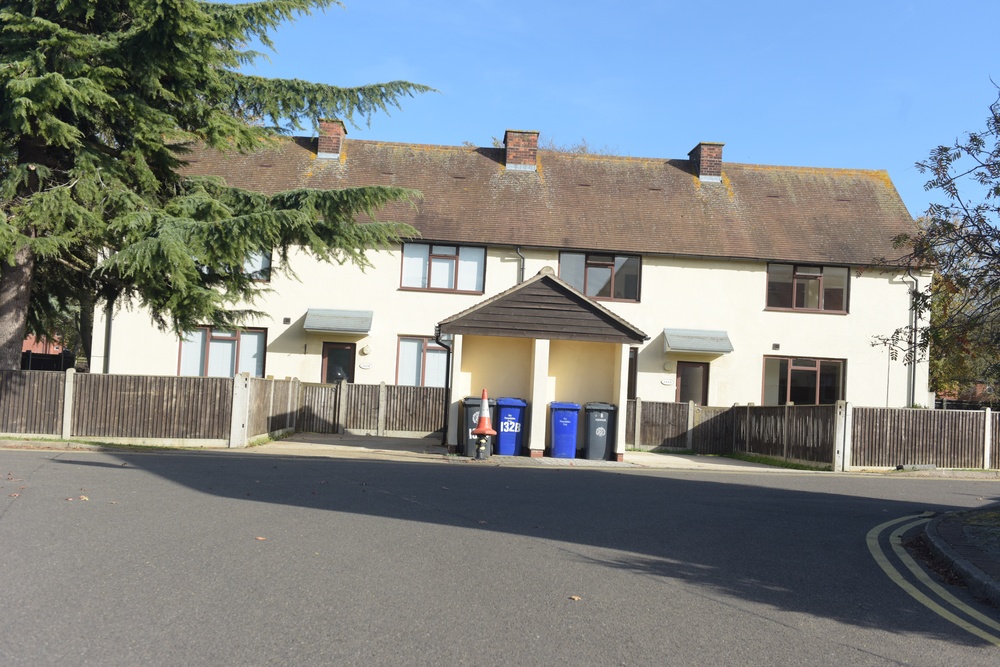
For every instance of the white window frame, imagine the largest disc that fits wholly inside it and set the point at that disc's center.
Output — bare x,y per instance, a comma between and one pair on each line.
440,267
194,356
414,372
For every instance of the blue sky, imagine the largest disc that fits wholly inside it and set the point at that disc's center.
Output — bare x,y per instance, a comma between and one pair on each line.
869,85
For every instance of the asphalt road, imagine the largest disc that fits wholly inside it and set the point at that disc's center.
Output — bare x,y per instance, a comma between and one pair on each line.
233,558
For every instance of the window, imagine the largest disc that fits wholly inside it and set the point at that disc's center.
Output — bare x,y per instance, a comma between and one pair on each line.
602,276
207,352
803,381
801,287
258,266
443,267
422,363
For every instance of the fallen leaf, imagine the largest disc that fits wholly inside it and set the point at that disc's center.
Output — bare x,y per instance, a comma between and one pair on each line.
260,538
84,498
575,598
71,499
13,495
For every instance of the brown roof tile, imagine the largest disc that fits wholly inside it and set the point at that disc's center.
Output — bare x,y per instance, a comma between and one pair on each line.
632,205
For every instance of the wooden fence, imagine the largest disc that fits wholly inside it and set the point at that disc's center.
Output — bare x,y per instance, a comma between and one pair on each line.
796,433
371,409
236,411
882,438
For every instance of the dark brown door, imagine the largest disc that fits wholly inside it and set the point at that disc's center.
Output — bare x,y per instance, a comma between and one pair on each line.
692,382
338,362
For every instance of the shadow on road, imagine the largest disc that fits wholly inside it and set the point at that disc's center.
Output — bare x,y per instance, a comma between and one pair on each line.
795,543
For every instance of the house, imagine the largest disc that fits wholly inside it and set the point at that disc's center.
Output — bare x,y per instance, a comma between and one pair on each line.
564,277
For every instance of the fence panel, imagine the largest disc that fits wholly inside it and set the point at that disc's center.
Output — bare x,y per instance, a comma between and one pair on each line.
663,425
713,430
419,409
995,440
144,406
764,433
810,433
630,422
320,407
362,406
260,406
282,406
31,402
887,437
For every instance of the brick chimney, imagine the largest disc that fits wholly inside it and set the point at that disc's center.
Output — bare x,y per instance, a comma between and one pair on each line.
706,161
522,150
331,138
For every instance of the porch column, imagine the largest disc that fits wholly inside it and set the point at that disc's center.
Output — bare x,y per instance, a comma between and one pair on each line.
539,396
620,391
458,390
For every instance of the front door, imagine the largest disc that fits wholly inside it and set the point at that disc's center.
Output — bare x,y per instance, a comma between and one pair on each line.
692,382
338,362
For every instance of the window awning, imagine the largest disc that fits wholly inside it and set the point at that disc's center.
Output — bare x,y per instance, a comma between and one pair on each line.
338,321
696,340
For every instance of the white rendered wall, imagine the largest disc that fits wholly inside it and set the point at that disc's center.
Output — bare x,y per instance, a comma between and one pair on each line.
676,293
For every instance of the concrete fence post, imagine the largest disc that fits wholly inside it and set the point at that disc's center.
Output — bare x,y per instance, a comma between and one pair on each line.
342,395
67,416
848,436
689,436
240,410
839,415
988,441
382,405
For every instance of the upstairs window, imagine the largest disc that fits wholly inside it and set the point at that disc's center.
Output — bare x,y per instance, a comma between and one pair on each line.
207,352
804,287
443,267
258,266
614,277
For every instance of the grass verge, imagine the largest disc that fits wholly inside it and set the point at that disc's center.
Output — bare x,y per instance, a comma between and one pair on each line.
778,463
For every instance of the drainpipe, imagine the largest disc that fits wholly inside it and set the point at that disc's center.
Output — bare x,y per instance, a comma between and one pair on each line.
517,249
109,311
911,371
447,383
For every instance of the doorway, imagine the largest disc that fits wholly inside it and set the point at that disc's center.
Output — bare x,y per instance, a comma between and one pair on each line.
692,382
338,362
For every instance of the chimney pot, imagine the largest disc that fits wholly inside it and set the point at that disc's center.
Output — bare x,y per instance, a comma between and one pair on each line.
521,148
706,161
331,138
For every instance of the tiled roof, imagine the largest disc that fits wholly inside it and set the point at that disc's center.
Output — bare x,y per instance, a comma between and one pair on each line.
631,205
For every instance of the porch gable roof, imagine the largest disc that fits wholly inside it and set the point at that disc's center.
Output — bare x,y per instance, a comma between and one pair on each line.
543,307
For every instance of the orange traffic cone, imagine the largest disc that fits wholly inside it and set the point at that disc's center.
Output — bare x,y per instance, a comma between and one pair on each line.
484,427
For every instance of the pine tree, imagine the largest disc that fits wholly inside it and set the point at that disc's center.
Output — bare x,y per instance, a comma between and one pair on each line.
98,101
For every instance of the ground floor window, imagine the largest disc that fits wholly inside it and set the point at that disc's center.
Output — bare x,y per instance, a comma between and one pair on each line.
208,352
803,381
422,363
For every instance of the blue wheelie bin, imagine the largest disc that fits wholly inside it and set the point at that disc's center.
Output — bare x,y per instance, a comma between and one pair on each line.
510,426
564,419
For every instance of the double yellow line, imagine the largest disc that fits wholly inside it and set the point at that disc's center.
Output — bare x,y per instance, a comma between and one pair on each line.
895,540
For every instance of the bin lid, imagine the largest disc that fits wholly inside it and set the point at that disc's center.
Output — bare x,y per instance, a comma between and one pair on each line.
505,402
555,405
477,400
607,407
